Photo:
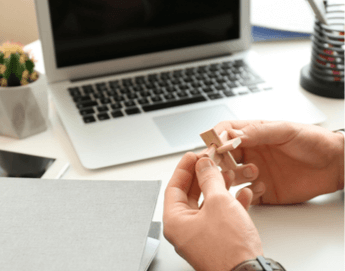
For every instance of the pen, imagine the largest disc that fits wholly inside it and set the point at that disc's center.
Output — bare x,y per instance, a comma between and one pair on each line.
318,7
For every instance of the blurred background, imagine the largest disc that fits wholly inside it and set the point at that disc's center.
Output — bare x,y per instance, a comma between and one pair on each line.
18,21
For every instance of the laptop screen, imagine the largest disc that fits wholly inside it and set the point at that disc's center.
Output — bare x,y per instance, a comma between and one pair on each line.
87,31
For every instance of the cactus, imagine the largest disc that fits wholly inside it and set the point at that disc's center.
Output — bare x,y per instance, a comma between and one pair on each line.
16,66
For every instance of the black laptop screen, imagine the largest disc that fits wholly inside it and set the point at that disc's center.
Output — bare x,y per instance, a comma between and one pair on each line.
87,31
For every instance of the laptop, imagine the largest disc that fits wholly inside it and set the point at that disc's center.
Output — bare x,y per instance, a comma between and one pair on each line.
138,79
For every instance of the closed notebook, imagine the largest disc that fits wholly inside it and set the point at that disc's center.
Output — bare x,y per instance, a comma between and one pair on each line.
74,225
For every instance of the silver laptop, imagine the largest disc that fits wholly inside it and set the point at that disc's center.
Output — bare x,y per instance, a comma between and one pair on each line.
137,79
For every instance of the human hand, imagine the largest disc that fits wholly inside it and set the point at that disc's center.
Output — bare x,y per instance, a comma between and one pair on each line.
296,162
218,235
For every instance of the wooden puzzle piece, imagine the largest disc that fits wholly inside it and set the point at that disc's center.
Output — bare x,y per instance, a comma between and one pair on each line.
221,157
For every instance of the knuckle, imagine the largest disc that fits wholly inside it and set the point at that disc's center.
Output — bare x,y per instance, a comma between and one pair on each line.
256,126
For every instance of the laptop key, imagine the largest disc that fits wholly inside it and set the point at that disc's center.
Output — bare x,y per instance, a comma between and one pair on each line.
158,106
127,82
252,82
156,99
207,89
169,96
75,92
138,88
125,90
229,93
219,87
85,112
254,88
88,89
171,89
239,63
208,82
145,94
89,119
231,85
163,84
183,87
194,92
116,106
190,71
132,111
139,79
102,108
158,91
240,90
143,101
82,99
152,77
117,114
103,116
114,84
221,80
129,103
105,101
119,98
86,104
112,93
98,95
182,94
132,96
196,84
214,96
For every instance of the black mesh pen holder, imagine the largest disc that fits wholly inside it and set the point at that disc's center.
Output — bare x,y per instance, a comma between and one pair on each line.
324,76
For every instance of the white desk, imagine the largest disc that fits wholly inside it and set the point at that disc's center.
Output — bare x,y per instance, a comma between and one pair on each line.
304,237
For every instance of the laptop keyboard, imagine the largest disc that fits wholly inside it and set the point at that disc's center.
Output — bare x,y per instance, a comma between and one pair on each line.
158,91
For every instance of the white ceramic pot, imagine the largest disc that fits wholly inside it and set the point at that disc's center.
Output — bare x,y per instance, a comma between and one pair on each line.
24,109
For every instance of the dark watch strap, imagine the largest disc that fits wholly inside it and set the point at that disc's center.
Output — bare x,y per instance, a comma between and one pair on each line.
259,264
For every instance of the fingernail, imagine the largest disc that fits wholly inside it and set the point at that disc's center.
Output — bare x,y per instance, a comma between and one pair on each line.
258,188
248,172
203,164
238,132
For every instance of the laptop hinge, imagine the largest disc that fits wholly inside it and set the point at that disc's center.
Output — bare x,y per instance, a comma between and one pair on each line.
147,68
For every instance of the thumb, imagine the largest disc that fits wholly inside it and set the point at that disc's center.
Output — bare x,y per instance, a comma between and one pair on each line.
210,179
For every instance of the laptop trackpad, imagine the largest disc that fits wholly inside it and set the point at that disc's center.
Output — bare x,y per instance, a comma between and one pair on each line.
184,128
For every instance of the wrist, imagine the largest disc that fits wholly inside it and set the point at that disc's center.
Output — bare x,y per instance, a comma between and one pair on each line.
340,139
259,264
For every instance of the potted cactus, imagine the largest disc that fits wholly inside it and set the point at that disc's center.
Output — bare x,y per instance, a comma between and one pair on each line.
23,93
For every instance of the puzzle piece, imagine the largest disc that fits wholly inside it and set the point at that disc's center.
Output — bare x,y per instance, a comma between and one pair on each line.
221,157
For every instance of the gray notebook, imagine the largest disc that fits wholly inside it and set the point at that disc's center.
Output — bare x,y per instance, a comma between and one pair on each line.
74,225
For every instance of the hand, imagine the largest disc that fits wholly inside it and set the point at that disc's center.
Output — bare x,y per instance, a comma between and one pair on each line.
220,234
296,162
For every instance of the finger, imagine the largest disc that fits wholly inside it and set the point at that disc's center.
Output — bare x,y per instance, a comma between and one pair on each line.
180,183
245,197
246,173
229,178
234,127
229,145
243,174
209,177
268,133
258,189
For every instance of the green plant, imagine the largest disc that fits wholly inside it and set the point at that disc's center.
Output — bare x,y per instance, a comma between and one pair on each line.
16,66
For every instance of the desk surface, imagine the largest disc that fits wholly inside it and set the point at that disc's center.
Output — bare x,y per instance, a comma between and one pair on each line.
302,237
